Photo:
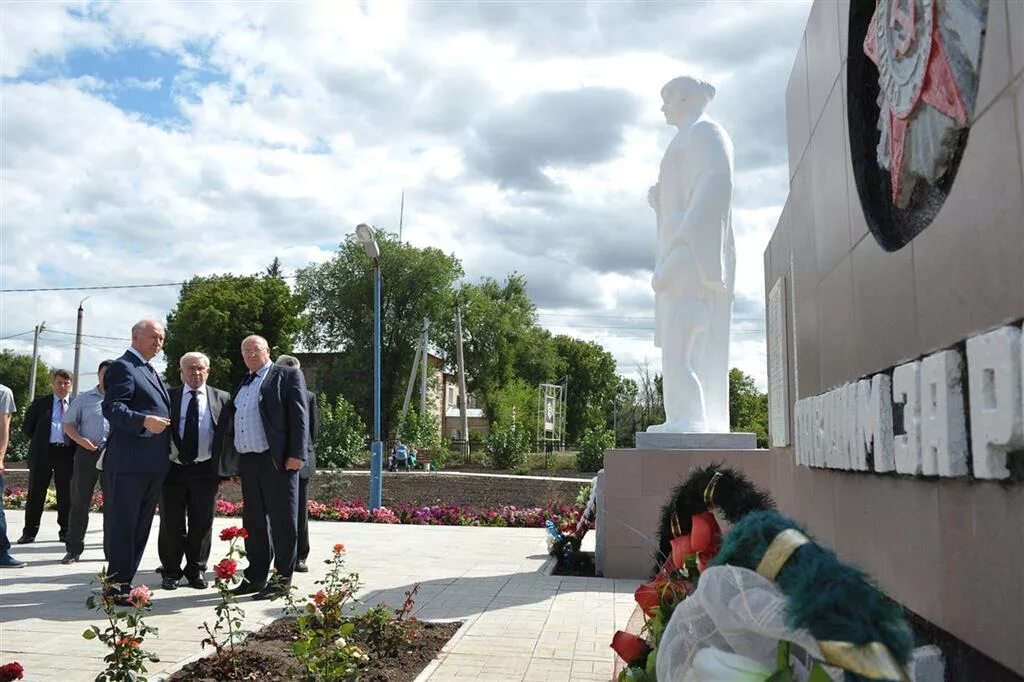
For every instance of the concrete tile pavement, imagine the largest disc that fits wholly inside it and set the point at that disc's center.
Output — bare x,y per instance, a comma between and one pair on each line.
519,624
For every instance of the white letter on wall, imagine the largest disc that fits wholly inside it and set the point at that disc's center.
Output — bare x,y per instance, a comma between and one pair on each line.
994,379
943,427
874,420
906,391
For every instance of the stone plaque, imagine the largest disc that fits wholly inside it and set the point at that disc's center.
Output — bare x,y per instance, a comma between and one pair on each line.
778,366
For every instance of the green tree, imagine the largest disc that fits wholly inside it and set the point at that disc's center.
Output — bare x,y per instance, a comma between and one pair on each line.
214,314
748,407
15,369
501,338
516,402
342,440
417,285
590,391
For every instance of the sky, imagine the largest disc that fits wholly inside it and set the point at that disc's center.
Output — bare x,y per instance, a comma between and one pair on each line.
149,142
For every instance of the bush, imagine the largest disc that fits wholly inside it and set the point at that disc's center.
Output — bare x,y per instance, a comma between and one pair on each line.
593,443
507,446
342,438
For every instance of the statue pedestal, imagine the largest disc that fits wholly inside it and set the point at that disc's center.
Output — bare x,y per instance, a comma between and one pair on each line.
696,441
635,486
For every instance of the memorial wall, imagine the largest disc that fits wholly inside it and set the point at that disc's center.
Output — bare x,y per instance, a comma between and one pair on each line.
895,304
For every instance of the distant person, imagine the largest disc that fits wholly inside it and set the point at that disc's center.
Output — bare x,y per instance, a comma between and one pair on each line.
85,424
189,496
306,472
7,409
270,434
399,458
137,404
50,457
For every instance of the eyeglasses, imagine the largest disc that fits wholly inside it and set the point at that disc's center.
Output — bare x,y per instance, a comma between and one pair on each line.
254,351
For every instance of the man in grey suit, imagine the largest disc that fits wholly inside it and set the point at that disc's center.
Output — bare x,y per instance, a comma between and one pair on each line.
137,405
271,434
189,494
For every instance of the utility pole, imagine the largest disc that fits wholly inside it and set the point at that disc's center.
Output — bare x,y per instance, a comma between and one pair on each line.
401,216
412,379
423,369
464,415
40,328
78,348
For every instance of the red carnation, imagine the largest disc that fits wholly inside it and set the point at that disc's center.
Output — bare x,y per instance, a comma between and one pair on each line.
629,647
12,671
225,570
233,532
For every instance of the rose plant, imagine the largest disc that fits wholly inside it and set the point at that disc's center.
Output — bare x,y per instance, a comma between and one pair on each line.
229,613
126,661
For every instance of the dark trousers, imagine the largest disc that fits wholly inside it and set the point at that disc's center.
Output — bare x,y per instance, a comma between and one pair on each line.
57,464
303,520
5,542
83,484
270,497
186,518
129,505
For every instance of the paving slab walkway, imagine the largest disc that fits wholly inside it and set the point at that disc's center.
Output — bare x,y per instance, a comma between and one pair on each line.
520,624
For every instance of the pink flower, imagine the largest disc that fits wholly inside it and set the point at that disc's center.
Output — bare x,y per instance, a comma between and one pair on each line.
140,596
320,598
225,570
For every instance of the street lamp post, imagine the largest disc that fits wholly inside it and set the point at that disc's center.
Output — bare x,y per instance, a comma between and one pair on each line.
365,236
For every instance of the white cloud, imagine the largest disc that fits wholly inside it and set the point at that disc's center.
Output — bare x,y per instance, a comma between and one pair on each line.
298,121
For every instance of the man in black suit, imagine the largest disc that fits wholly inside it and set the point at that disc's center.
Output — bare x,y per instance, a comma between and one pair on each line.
306,472
271,434
50,455
189,494
137,404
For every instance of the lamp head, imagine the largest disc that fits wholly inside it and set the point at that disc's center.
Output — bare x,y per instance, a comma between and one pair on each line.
365,236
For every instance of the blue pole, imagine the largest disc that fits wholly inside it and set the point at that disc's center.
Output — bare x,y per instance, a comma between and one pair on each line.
376,450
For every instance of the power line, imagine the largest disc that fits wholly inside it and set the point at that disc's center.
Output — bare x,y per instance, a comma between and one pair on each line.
89,336
107,287
12,336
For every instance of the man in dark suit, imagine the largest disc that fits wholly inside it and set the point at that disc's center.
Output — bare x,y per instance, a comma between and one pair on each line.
189,494
271,434
137,405
306,472
50,455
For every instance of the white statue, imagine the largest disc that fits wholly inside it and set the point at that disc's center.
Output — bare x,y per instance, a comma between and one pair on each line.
695,263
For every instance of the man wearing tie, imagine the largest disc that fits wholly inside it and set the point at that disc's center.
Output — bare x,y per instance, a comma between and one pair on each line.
137,404
84,424
50,455
271,432
190,490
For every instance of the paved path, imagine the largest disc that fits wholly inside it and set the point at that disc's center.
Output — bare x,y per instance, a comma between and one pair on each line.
519,623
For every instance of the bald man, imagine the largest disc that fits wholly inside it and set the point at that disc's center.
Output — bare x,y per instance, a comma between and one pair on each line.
137,404
270,423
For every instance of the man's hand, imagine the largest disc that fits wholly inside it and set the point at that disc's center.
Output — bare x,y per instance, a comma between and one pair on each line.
2,462
293,463
88,444
155,424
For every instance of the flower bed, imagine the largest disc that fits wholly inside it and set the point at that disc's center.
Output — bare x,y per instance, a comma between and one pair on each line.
505,516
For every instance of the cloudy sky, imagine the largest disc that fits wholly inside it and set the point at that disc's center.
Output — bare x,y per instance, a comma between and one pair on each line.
147,142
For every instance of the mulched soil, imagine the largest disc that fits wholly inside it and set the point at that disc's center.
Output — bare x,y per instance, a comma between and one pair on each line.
423,489
266,656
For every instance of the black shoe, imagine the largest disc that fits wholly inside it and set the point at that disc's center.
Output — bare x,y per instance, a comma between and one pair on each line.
169,583
275,591
247,588
197,582
301,567
26,539
71,557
